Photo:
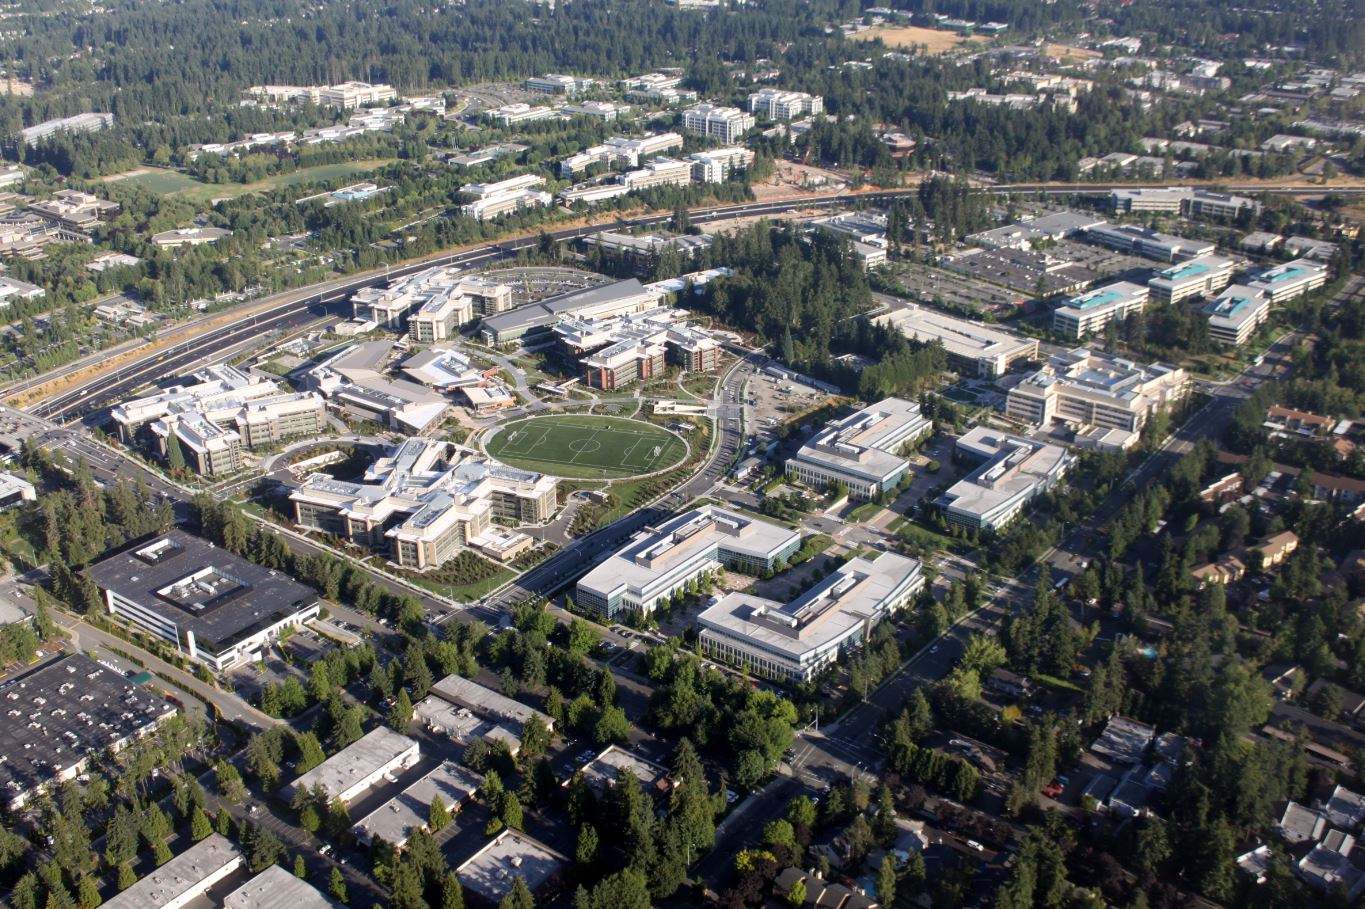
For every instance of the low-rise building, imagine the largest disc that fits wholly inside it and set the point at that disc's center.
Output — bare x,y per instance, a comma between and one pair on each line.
79,123
395,821
1201,276
1197,203
189,236
1236,313
861,450
973,348
435,301
354,381
275,888
1142,241
659,172
795,641
360,765
559,84
214,607
1084,388
15,491
661,560
606,111
12,289
350,95
490,874
776,104
511,195
726,125
1013,471
1088,313
75,210
1290,280
520,112
605,769
184,878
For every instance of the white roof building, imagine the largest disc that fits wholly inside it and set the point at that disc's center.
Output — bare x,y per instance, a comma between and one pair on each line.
185,877
396,820
275,888
784,105
1086,388
1088,313
973,348
726,125
360,765
1290,280
1015,470
1201,276
862,450
1236,313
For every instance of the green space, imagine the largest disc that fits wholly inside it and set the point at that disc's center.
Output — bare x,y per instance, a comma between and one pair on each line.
581,446
173,183
865,512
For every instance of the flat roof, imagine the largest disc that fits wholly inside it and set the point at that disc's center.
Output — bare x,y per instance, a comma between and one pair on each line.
408,811
1108,295
180,876
275,888
548,311
220,597
1195,269
604,769
865,442
491,871
486,702
964,338
363,758
1014,466
1235,304
63,712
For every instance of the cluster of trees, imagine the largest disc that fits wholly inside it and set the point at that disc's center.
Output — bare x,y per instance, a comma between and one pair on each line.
1042,639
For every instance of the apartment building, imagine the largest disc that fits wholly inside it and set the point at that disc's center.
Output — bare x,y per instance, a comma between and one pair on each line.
434,302
79,123
861,450
1141,241
75,210
796,641
661,560
1012,472
726,125
783,105
973,349
720,164
1291,280
1088,313
1086,388
558,84
1236,313
1201,276
426,501
659,172
213,420
349,95
500,198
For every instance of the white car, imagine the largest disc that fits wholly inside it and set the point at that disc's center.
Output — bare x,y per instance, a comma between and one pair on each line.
973,844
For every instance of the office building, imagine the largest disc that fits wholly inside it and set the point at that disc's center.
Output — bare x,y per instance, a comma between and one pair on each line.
590,194
354,381
12,289
1087,388
183,879
15,491
606,111
62,714
1088,313
214,607
726,125
795,641
647,248
1136,201
779,105
350,95
1201,276
615,299
275,888
510,195
973,349
75,210
80,123
661,560
1141,241
614,352
620,151
1052,226
606,768
1013,471
1236,313
489,874
213,420
1204,203
659,172
489,705
861,450
189,236
347,774
1290,280
396,820
557,84
520,112
436,302
426,501
717,165
1035,274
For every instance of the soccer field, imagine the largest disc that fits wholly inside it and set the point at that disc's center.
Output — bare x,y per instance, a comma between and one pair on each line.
586,447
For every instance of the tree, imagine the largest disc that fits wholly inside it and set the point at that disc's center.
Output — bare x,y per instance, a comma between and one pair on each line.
518,897
175,456
127,877
400,717
626,889
796,896
88,892
300,869
452,894
337,887
310,752
586,852
199,825
510,810
438,816
535,737
886,881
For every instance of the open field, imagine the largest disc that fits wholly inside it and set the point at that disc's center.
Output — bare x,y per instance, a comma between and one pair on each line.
174,183
1069,51
586,447
938,41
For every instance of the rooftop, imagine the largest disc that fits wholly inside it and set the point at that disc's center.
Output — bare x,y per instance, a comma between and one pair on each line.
396,820
604,770
357,761
275,888
181,875
490,872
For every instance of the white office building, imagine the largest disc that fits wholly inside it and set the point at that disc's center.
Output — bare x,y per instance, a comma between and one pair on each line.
659,172
1088,313
80,123
519,112
1086,388
1236,313
349,95
435,302
720,164
795,641
511,195
1291,280
1014,471
973,348
558,84
1141,241
776,104
726,125
861,450
1201,276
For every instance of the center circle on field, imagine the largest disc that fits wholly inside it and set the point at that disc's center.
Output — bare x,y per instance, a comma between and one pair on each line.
584,446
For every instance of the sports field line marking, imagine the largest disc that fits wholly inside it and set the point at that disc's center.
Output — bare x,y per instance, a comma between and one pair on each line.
574,459
625,455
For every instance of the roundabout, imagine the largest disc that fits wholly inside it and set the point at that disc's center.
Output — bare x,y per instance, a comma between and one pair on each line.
585,446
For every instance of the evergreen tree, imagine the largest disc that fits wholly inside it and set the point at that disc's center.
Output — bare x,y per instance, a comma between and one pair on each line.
300,869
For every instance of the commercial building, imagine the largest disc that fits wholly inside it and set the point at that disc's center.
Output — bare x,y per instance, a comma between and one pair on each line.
354,381
973,349
1013,472
590,194
12,289
507,715
1087,313
425,502
216,608
557,84
80,123
435,301
520,112
350,95
60,715
1201,276
606,111
15,491
607,767
646,248
1141,241
189,236
225,411
780,105
614,352
1197,203
605,301
717,165
1053,226
1291,280
355,768
75,210
662,559
183,879
861,450
489,874
659,172
1236,313
510,195
795,641
619,151
275,888
1024,271
1087,388
726,125
1207,204
396,820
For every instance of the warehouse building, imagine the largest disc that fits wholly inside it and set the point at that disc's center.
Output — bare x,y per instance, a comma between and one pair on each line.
795,641
661,560
275,888
1087,388
1202,276
862,450
216,608
183,879
489,874
1088,313
355,768
616,299
973,349
400,817
1013,472
1236,313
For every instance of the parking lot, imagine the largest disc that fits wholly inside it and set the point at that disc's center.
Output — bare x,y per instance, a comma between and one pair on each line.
1107,262
935,285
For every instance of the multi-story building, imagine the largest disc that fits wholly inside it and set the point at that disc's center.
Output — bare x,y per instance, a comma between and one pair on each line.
354,380
1236,313
646,248
720,164
557,84
606,111
1207,204
590,194
212,420
974,349
616,299
1086,388
659,172
1291,280
350,95
620,151
781,105
80,123
1013,471
862,450
661,560
726,125
520,112
434,301
75,210
510,195
425,502
215,608
1201,276
1142,241
794,641
614,352
1087,313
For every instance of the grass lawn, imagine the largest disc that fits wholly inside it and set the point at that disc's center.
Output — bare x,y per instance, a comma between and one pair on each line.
173,183
864,512
581,446
465,592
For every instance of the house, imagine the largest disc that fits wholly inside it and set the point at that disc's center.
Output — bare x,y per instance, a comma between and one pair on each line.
1011,684
820,893
1276,548
1285,679
1123,740
1225,571
1288,421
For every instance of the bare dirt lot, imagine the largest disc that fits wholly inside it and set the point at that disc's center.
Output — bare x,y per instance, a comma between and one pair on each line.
937,41
790,180
1063,51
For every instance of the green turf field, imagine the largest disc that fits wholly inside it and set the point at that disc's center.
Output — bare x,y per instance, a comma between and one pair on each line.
174,183
586,447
